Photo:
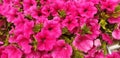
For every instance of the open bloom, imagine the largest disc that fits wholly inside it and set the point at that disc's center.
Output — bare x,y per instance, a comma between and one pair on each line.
87,9
91,29
23,42
45,41
53,28
70,22
114,20
12,52
28,4
107,38
116,34
109,4
93,53
113,55
33,54
97,43
62,50
82,43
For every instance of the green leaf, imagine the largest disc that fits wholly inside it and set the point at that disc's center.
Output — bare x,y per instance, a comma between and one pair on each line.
103,23
29,17
37,0
6,40
37,27
77,54
104,47
38,4
35,44
62,13
50,17
64,30
104,15
117,9
86,30
67,39
1,33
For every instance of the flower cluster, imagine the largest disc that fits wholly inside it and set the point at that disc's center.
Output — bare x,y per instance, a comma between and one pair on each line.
59,28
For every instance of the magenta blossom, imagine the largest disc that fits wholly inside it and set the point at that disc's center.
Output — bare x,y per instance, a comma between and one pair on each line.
93,33
109,4
28,4
82,43
113,55
24,42
33,54
107,38
53,28
87,9
97,43
116,34
45,41
114,20
12,14
70,22
62,50
12,52
93,53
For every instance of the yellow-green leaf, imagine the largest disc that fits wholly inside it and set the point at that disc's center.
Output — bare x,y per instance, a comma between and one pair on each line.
103,23
117,9
37,27
86,30
62,13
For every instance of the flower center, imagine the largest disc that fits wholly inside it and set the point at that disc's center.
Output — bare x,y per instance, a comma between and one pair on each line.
50,28
85,10
43,39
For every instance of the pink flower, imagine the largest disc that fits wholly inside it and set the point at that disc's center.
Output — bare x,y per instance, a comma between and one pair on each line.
70,8
97,43
70,22
82,43
53,28
46,55
94,1
16,3
19,20
82,21
87,10
109,4
58,5
28,29
24,27
62,50
13,52
12,14
114,20
113,55
116,34
29,4
42,20
93,29
107,38
36,12
45,41
5,8
24,43
95,54
2,53
6,1
47,10
99,54
34,54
